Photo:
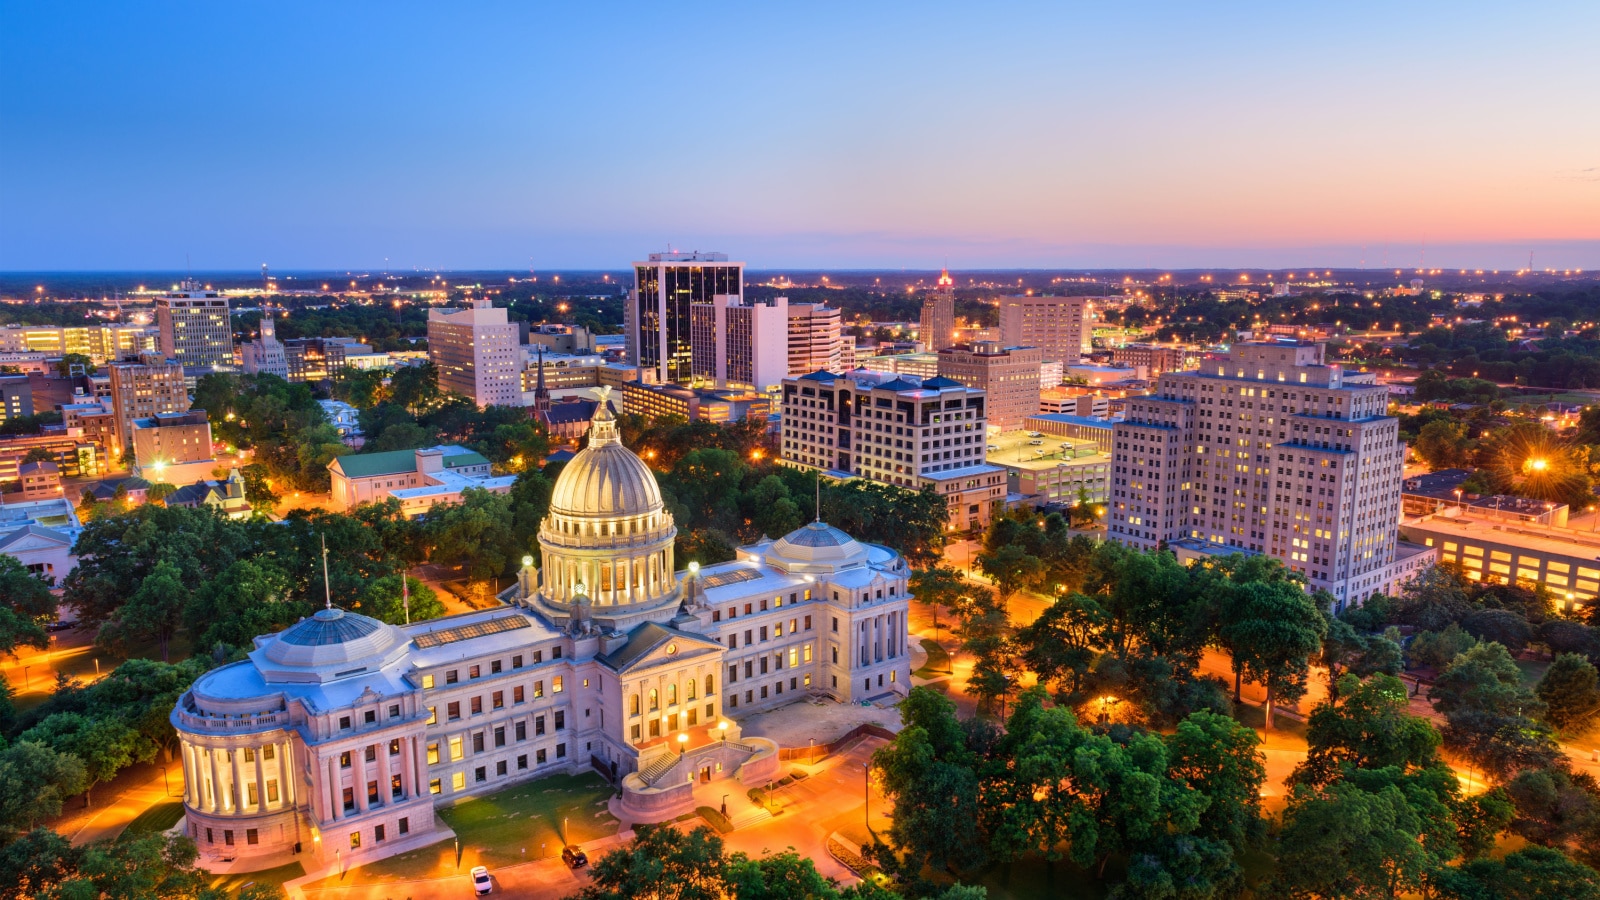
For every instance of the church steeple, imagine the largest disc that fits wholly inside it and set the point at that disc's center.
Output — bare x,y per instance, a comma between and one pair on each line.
541,394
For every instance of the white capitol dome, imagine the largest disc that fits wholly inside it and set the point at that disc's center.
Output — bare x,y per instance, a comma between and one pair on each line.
608,538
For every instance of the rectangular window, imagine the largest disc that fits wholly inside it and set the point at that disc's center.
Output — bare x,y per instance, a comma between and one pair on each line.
253,836
372,753
500,736
405,821
344,760
355,840
450,677
370,716
267,753
433,715
561,751
498,700
349,798
473,672
434,787
494,667
377,834
433,753
249,754
522,731
538,689
227,836
555,685
457,750
272,790
522,761
344,722
561,719
500,768
477,706
458,781
452,710
517,695
394,711
538,757
516,661
538,725
480,774
477,742
252,795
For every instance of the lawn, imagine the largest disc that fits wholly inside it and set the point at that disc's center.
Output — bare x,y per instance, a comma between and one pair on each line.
938,661
231,884
156,819
506,827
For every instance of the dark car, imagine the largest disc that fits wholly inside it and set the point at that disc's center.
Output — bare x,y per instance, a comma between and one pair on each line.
574,858
61,626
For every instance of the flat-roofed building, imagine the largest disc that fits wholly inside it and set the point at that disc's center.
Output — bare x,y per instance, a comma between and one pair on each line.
417,478
173,447
656,318
1049,470
16,397
194,326
814,338
143,390
1155,358
1008,376
1061,327
1565,561
1080,430
476,353
654,401
740,344
938,325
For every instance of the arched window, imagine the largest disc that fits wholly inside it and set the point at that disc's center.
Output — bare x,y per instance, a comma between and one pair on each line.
708,685
689,688
672,694
655,700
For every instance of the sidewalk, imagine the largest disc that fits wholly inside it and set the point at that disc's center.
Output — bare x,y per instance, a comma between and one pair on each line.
109,821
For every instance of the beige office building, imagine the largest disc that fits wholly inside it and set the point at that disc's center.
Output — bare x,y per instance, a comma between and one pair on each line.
194,326
143,391
1009,376
1272,450
476,353
1061,327
813,338
739,343
938,326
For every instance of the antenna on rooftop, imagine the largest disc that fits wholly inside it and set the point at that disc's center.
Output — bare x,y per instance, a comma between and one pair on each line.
819,495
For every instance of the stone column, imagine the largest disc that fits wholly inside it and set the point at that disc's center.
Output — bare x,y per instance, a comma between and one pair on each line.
335,793
261,781
236,791
359,770
215,802
319,803
419,765
191,794
385,792
288,773
408,778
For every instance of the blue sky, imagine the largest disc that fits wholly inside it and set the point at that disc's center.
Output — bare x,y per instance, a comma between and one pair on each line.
798,135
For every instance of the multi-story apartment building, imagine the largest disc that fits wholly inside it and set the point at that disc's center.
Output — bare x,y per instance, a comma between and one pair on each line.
194,327
605,658
1008,376
938,326
265,355
1061,327
476,352
895,430
1155,359
814,341
657,316
735,343
101,343
143,390
1272,450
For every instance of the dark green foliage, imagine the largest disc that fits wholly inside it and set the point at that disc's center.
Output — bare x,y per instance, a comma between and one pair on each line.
1490,716
1570,691
1534,873
1558,808
26,604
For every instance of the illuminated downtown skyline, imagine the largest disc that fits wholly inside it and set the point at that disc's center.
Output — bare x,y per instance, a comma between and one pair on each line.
1162,136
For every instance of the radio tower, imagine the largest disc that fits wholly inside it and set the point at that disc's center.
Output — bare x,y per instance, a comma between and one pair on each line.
266,282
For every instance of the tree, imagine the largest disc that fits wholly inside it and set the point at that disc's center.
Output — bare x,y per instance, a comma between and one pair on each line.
154,611
249,598
1220,758
1433,599
1366,725
382,600
1558,808
928,773
38,454
1063,643
475,534
34,780
68,360
25,603
661,863
1342,841
105,746
1533,873
1504,627
1489,715
1570,691
1273,630
137,866
779,876
1436,649
1443,444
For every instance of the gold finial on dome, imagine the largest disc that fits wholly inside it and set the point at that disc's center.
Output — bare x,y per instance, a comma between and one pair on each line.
603,427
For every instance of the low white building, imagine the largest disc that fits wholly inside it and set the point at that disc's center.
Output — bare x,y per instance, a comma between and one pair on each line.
417,478
40,534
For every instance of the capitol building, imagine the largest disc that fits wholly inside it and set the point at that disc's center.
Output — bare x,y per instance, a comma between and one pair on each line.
336,737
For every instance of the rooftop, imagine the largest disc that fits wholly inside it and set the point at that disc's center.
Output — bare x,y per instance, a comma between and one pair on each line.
395,462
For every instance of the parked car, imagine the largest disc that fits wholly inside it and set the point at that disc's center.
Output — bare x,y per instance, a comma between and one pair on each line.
480,881
574,858
66,625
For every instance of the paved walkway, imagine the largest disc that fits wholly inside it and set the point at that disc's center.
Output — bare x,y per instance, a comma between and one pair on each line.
112,818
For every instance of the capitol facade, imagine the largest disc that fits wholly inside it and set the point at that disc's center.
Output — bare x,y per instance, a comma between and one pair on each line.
336,737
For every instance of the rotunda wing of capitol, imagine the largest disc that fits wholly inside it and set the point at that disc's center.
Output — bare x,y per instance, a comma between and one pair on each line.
608,538
816,548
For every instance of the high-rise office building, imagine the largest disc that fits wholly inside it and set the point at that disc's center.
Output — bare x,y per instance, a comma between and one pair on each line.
477,354
1061,327
896,430
740,344
1273,451
194,326
265,355
939,315
813,338
16,397
1009,376
144,390
657,316
320,359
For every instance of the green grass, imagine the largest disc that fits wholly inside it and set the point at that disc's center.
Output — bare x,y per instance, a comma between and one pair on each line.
496,829
156,819
938,661
233,883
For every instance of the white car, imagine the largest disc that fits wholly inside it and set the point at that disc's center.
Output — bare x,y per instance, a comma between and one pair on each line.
480,881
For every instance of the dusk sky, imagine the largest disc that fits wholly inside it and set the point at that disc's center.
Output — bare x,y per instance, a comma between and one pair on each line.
848,135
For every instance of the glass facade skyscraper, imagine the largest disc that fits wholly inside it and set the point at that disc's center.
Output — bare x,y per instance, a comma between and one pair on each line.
657,318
